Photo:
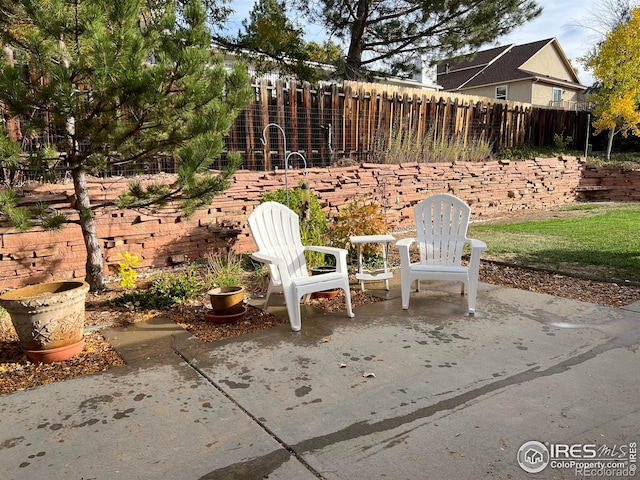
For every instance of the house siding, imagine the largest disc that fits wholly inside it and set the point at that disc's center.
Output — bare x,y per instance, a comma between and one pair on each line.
548,62
489,92
530,71
520,91
542,94
527,91
516,91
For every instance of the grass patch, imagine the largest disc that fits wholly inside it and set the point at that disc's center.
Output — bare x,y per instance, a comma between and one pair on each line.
592,239
624,160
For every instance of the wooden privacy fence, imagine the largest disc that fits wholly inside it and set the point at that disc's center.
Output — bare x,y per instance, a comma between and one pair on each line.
330,123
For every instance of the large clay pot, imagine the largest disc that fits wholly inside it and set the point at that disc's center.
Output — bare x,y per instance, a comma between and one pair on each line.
320,271
227,300
49,318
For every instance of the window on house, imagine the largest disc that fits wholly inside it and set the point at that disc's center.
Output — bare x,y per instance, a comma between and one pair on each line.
501,92
557,97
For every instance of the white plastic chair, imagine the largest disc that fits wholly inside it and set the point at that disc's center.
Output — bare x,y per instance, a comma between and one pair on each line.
441,224
276,230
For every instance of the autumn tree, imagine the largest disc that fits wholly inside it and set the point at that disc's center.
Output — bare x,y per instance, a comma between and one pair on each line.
121,81
394,33
615,63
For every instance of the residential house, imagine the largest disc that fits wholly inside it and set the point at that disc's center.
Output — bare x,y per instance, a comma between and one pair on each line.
538,73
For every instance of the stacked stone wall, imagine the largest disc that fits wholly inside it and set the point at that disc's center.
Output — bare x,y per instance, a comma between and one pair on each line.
166,238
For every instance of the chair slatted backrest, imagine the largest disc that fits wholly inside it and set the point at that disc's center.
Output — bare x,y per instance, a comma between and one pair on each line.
441,223
276,230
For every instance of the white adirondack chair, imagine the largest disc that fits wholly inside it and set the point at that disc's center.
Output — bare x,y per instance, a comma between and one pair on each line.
276,230
441,224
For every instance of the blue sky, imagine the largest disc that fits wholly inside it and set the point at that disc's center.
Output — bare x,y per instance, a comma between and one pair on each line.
559,19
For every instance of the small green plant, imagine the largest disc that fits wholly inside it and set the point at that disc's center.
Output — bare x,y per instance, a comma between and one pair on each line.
560,143
127,269
361,216
313,229
224,269
166,290
171,289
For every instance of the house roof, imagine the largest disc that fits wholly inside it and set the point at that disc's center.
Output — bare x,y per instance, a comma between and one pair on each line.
499,65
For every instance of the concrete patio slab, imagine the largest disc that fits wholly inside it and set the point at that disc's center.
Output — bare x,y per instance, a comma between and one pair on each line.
429,393
451,393
156,418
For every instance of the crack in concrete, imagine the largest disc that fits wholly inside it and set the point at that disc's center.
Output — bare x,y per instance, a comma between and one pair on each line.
365,428
263,465
270,462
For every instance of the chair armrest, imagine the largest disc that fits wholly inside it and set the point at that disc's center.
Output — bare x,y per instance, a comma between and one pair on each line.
276,262
339,253
403,247
264,258
405,242
477,244
328,250
477,247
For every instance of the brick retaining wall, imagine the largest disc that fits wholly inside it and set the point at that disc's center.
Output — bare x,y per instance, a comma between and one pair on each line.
169,238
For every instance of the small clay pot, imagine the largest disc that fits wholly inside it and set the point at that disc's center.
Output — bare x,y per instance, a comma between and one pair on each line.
227,300
228,318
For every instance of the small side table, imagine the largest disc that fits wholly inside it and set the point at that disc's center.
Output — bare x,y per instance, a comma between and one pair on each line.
382,274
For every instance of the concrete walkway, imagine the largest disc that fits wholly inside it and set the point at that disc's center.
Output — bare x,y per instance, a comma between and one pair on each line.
428,393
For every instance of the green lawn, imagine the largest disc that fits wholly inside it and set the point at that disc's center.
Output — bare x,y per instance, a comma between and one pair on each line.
598,239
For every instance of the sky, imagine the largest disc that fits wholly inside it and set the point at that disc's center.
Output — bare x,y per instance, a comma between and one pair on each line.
560,19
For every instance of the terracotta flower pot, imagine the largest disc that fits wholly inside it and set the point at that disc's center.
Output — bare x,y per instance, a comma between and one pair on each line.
48,316
227,318
227,300
320,271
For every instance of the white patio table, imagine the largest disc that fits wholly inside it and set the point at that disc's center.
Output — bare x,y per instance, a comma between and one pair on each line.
377,274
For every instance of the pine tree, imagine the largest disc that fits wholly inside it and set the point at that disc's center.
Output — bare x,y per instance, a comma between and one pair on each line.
273,41
393,33
123,81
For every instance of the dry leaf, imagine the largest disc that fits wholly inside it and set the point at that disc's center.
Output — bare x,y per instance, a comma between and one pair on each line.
326,339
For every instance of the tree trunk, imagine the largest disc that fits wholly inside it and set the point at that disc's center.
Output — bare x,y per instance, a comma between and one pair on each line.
612,133
13,124
94,268
94,271
356,43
